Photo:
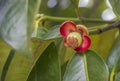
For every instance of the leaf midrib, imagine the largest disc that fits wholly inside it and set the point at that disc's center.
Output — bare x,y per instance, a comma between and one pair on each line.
85,65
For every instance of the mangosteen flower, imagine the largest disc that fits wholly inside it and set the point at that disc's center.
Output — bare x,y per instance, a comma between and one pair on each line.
75,36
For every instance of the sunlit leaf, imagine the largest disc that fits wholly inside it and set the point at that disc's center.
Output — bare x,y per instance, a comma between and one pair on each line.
16,22
4,52
47,67
87,66
38,46
7,64
116,6
21,66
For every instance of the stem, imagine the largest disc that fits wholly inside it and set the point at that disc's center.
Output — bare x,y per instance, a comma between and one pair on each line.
84,20
112,76
101,30
77,10
81,19
113,23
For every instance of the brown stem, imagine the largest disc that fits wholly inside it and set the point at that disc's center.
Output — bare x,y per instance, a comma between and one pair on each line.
101,30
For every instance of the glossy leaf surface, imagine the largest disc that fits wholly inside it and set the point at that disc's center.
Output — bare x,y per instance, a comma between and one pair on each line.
21,67
86,66
47,67
16,22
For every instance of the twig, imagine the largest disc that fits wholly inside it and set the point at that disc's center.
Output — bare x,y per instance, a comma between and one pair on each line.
84,20
101,30
113,23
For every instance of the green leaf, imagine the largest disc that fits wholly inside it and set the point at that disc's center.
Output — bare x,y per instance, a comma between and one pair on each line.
87,66
7,64
102,46
113,60
47,67
115,6
21,66
4,52
41,31
63,68
16,22
53,33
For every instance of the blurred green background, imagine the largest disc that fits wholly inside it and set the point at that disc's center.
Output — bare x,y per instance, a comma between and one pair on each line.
94,9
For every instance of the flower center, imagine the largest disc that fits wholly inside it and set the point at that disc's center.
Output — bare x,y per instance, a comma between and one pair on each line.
74,40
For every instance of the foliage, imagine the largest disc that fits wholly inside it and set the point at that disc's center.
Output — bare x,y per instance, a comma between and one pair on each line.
32,48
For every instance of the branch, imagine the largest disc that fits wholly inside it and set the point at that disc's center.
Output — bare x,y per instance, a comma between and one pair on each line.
101,30
62,19
113,23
